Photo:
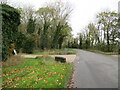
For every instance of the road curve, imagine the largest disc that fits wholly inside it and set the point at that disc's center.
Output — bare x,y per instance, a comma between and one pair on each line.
94,70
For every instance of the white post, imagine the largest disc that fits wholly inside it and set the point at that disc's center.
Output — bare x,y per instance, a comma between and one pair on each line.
15,52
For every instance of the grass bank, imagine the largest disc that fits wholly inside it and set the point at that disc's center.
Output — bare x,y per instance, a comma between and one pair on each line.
41,72
53,52
101,52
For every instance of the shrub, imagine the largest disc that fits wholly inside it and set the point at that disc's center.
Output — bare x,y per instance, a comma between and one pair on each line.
29,44
10,22
20,41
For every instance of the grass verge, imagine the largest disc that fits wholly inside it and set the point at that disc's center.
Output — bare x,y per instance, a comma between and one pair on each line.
53,52
101,52
13,61
41,72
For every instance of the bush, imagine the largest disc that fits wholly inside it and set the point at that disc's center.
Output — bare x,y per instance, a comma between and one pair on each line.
20,41
10,22
102,47
29,44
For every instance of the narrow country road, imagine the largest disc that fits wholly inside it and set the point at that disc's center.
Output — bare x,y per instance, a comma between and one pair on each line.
94,70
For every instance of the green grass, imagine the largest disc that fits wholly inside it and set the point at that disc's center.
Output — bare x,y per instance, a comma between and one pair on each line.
53,52
42,72
0,77
101,52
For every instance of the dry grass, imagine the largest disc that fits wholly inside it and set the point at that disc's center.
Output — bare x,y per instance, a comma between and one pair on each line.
13,61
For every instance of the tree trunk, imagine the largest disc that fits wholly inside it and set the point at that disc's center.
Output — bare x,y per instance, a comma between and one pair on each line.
108,43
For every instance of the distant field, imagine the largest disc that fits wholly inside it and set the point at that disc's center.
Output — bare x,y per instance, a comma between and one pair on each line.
42,72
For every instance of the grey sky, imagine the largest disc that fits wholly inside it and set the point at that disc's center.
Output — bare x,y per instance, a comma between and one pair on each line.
84,10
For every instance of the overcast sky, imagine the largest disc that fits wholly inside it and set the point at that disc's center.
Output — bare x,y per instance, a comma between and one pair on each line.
84,11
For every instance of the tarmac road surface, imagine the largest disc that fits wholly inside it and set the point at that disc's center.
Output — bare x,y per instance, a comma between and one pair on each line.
94,70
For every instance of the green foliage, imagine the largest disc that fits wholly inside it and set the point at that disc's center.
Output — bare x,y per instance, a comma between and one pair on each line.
48,24
31,25
21,38
29,44
53,27
10,22
102,35
108,22
46,20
